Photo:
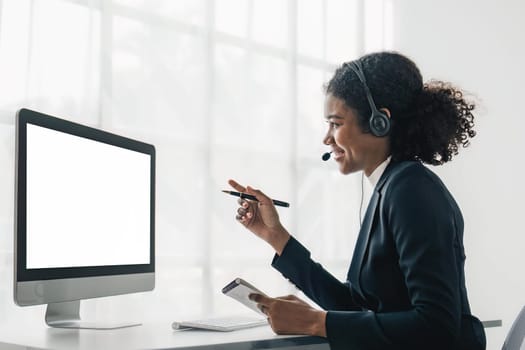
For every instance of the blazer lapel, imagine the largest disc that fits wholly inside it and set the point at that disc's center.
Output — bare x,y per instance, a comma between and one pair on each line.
362,243
364,233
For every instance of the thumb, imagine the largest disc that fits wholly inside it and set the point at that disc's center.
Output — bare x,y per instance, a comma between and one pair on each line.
261,197
289,297
260,298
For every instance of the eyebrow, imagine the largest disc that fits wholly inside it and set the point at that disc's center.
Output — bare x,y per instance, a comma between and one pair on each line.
333,116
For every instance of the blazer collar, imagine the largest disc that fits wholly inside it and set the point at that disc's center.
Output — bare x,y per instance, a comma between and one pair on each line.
386,174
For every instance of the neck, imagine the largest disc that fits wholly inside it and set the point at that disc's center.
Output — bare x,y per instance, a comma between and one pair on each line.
374,162
377,151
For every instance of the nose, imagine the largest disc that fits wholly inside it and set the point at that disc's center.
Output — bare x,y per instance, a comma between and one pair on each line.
328,138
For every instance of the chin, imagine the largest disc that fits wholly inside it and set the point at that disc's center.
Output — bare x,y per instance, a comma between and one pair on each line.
346,169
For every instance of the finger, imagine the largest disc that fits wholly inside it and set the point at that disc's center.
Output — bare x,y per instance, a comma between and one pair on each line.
260,299
236,186
261,197
289,297
243,202
242,211
270,322
243,219
262,308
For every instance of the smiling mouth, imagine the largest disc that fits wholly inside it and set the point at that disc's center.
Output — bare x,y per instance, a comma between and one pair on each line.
338,154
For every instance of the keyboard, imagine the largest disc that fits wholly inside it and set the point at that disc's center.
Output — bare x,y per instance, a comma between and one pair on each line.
222,324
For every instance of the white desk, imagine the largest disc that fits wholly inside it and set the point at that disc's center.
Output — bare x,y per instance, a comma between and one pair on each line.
16,336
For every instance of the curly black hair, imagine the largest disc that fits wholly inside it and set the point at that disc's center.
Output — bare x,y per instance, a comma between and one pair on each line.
429,121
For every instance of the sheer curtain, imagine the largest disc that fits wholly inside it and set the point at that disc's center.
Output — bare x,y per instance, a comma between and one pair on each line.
223,89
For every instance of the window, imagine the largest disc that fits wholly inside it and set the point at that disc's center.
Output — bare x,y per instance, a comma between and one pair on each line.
224,89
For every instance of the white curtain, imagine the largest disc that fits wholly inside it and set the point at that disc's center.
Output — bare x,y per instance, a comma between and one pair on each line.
223,89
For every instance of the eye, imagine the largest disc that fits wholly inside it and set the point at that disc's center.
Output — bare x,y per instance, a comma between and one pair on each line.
333,125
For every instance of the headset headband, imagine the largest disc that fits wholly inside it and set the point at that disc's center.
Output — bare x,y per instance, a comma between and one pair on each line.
378,122
358,70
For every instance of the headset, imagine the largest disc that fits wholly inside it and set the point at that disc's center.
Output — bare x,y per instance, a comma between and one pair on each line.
379,122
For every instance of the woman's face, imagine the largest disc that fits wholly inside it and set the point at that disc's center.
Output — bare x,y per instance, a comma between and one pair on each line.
352,149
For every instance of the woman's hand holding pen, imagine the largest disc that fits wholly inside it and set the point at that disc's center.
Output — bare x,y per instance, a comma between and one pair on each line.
261,217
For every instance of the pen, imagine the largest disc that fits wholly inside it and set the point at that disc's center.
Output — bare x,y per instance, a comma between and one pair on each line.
249,196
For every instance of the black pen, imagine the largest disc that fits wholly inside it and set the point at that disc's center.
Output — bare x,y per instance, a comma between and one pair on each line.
249,196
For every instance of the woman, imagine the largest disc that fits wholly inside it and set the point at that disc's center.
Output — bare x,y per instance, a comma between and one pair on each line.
405,287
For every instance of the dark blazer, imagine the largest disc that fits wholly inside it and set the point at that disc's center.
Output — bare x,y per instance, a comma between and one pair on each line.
405,288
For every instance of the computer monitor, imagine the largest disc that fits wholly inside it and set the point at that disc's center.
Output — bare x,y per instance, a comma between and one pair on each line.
84,216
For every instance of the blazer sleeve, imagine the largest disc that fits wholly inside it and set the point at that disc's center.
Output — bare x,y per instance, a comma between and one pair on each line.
310,277
418,211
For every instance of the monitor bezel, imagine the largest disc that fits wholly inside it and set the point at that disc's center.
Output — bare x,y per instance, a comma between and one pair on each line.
25,117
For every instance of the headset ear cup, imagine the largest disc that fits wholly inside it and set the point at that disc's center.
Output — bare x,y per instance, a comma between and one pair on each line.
379,124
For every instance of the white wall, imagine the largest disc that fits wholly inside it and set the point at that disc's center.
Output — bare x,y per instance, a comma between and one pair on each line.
480,46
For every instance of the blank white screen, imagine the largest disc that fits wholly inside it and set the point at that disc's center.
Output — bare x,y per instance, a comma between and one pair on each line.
88,203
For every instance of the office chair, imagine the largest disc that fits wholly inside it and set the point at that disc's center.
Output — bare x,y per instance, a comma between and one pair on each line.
514,340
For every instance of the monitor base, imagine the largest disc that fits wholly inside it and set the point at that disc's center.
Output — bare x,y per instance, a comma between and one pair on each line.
67,315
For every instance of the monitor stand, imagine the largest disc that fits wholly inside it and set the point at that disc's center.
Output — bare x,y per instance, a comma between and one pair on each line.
67,315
